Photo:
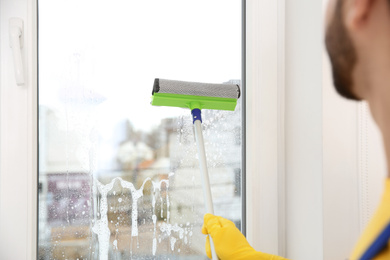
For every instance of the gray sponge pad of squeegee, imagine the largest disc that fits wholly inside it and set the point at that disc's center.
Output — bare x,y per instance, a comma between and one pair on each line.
196,89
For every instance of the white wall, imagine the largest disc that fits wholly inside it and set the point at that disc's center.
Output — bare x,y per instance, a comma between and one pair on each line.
327,149
353,172
334,156
341,205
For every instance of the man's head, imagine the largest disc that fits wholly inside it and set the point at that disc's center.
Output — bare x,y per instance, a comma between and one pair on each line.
356,34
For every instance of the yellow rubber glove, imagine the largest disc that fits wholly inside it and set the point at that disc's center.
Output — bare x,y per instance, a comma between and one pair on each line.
229,243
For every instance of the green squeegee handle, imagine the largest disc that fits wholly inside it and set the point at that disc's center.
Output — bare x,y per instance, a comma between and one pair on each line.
197,120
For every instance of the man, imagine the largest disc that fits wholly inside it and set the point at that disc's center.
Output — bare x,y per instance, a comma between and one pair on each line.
358,44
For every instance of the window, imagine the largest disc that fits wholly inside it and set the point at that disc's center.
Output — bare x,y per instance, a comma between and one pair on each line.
118,178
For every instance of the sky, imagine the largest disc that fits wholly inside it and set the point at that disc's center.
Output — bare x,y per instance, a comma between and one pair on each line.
115,49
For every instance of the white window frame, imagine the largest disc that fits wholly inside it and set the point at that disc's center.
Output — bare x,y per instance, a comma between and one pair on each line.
284,130
264,80
18,138
273,126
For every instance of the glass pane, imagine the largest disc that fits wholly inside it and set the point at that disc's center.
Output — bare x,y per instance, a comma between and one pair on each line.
119,178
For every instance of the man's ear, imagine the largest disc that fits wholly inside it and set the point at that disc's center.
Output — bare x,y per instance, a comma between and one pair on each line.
357,12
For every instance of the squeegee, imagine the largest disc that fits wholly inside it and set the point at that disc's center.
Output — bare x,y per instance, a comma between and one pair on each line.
197,96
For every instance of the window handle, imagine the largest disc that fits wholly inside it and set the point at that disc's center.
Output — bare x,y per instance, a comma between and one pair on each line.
16,43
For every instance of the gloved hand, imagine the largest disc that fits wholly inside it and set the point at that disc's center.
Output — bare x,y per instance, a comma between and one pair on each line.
229,243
